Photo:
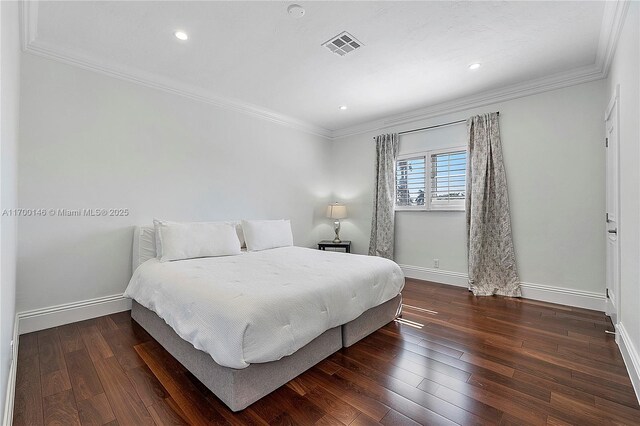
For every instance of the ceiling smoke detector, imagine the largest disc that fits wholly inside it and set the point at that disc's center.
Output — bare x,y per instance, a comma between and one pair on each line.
342,44
296,11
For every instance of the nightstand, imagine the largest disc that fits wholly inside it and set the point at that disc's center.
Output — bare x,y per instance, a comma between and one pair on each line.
346,245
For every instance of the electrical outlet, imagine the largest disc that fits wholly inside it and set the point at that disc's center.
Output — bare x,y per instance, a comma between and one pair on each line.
436,263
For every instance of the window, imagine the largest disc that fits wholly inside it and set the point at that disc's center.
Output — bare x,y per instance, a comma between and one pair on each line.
410,181
432,180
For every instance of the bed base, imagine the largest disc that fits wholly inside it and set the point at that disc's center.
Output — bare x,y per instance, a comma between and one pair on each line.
371,320
239,388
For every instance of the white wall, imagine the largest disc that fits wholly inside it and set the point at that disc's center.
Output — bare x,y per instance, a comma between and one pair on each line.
553,145
91,141
9,108
625,71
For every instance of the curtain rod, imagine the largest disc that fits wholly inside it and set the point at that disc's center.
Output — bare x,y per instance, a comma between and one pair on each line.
432,127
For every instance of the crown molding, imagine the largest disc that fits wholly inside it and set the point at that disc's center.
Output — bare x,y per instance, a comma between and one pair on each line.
532,87
613,19
153,81
28,22
611,27
30,44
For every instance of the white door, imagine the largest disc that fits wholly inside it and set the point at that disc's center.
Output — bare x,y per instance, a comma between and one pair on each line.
613,202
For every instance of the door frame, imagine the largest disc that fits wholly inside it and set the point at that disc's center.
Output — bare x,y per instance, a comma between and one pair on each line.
614,105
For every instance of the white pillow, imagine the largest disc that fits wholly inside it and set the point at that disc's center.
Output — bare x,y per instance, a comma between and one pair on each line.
144,245
197,239
236,224
266,234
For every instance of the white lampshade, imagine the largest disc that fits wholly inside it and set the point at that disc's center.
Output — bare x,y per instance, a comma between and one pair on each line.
336,211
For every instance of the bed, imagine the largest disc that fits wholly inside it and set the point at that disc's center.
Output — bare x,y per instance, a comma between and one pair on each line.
244,325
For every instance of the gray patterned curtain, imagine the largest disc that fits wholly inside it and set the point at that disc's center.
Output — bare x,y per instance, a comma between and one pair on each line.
492,263
382,222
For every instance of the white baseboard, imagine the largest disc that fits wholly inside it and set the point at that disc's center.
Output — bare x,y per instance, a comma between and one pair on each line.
545,293
458,279
11,381
564,296
53,316
630,357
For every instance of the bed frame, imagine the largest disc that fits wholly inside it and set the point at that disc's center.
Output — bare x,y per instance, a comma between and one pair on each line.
238,388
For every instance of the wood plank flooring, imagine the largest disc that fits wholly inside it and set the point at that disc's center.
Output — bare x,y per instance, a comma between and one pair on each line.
475,361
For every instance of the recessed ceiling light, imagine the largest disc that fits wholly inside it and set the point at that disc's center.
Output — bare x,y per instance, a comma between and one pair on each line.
474,66
181,35
342,107
296,11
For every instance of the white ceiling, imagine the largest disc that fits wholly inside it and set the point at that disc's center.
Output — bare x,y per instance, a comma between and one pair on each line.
415,54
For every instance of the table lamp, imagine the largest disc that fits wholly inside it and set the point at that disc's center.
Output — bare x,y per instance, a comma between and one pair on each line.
336,212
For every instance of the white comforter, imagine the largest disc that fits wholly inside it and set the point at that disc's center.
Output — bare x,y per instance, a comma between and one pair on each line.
262,306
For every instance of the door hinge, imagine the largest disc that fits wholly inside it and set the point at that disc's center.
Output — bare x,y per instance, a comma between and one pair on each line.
606,142
607,217
607,292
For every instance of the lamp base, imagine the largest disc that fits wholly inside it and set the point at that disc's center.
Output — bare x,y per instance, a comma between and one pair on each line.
336,225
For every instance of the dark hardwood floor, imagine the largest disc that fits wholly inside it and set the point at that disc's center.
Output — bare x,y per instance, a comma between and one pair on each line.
475,361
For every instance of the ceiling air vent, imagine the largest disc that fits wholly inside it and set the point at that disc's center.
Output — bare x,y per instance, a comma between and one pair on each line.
342,44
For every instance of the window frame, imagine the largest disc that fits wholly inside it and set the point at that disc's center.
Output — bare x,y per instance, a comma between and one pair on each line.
428,205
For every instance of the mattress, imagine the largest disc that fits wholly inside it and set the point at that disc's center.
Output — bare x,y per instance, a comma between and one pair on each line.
262,306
